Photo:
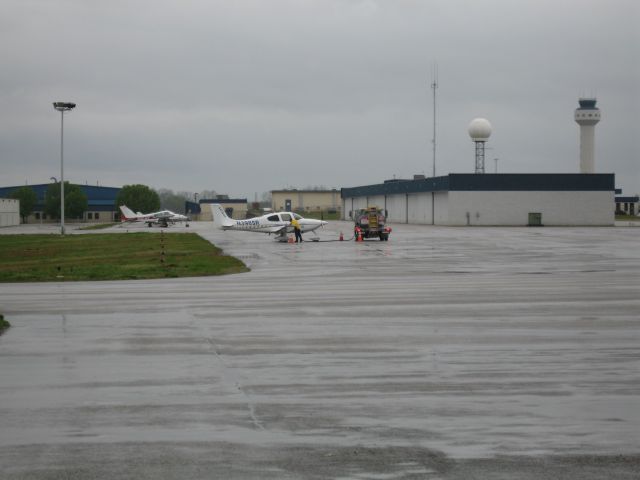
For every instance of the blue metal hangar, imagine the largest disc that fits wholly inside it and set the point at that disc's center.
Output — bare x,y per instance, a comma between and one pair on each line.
101,206
510,199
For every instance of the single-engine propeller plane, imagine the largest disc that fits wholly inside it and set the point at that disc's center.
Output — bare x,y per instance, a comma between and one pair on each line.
162,218
278,223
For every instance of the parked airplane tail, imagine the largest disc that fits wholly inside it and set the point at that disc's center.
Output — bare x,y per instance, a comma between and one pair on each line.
220,217
127,214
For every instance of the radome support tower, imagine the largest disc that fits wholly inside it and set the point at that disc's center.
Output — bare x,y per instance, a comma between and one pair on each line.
479,131
587,115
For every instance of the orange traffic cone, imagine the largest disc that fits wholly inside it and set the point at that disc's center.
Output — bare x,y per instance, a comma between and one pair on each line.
289,239
341,237
359,236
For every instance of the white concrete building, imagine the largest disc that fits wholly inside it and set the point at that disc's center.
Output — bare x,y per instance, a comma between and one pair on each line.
491,199
236,208
9,212
305,200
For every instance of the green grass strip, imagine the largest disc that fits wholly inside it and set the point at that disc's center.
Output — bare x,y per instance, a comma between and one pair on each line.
98,226
3,324
120,256
627,218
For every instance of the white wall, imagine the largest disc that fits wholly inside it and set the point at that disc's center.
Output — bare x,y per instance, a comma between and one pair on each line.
513,208
9,212
502,208
397,208
423,207
419,208
376,201
442,208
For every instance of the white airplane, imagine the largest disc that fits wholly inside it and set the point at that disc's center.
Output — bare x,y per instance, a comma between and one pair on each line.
162,218
278,223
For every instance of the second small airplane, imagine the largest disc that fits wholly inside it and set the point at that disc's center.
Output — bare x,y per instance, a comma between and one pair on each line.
162,218
278,223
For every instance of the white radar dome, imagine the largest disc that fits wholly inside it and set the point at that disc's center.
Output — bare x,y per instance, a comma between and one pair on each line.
479,129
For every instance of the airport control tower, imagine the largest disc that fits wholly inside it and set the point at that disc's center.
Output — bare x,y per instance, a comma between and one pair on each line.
587,115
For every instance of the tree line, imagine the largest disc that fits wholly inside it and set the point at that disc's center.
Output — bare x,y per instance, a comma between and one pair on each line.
75,200
139,198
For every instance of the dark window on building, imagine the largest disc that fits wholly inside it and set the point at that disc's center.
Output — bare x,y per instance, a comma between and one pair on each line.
96,216
89,216
37,215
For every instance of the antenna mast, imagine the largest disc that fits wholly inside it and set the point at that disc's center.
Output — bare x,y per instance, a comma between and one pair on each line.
434,86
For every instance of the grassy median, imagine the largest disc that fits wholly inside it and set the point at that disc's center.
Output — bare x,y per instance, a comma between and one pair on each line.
120,256
3,324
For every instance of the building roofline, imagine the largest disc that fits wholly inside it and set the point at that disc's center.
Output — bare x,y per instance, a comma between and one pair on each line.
295,190
490,182
222,200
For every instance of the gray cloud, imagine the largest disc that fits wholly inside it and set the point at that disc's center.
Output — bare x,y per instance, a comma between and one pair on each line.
248,96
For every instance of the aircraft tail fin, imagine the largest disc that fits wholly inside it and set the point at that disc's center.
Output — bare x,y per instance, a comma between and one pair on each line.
220,217
127,214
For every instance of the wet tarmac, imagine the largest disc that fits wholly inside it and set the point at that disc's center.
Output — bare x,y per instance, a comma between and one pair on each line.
445,353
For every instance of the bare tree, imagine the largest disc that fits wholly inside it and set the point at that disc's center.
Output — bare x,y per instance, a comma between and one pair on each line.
207,194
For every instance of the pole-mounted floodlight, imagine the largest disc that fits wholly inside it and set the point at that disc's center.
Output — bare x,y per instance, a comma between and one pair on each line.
62,107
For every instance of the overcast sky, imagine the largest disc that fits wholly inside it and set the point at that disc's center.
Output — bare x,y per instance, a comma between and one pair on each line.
247,96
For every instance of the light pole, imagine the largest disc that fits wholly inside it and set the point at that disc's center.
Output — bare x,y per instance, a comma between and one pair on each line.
62,107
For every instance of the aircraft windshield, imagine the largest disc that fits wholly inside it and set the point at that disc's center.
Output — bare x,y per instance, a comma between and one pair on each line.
297,217
285,217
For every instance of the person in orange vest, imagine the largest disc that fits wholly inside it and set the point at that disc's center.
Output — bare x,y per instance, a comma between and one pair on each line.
296,229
